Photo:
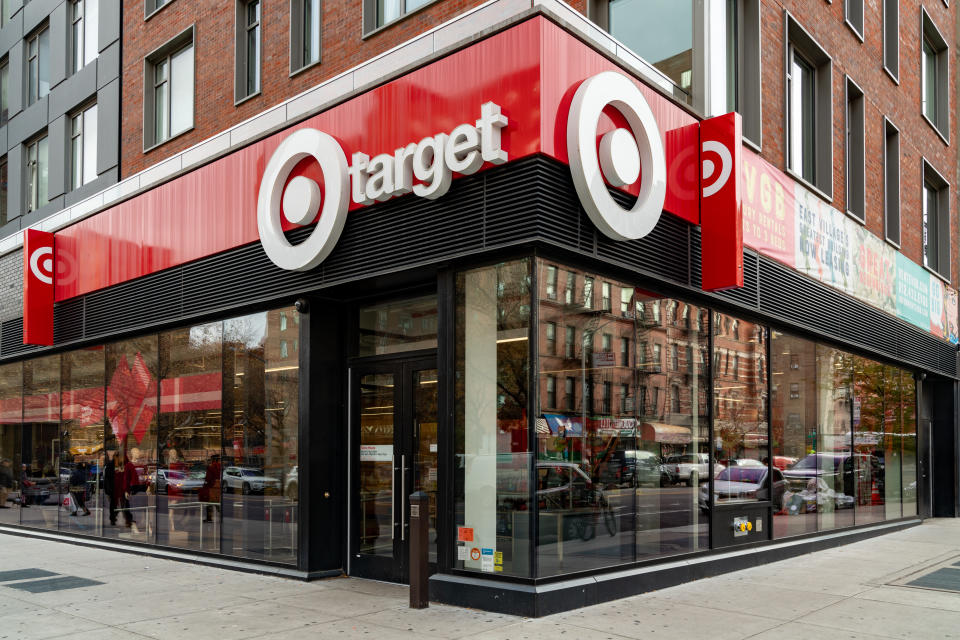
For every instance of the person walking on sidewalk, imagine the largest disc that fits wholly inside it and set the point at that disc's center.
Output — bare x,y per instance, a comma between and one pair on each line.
6,482
24,485
123,485
78,488
109,478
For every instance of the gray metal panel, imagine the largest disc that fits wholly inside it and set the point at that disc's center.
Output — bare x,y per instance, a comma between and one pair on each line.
15,181
36,12
108,65
58,153
102,181
11,33
3,141
109,24
15,94
108,126
58,44
28,122
72,92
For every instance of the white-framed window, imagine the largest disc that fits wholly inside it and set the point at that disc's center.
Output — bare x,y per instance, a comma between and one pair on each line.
83,146
304,34
38,65
380,13
37,172
891,38
891,182
853,15
249,49
934,75
551,282
855,160
169,82
150,7
936,221
809,110
83,32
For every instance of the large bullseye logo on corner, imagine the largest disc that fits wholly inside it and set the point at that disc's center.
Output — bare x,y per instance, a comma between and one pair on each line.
302,199
41,264
621,155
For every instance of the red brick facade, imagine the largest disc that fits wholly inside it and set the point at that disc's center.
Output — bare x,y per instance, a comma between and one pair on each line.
901,104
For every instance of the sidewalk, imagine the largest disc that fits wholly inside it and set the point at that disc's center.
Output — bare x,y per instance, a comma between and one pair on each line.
856,591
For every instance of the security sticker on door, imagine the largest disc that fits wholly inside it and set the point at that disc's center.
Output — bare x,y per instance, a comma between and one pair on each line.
486,560
461,551
376,453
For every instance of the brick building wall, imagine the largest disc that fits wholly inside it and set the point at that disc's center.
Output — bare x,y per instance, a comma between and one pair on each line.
900,103
342,46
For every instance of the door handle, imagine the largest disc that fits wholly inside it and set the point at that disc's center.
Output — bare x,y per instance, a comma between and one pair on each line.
403,497
393,499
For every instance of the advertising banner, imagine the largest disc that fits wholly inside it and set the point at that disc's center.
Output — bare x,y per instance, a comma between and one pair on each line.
38,287
938,318
721,210
950,310
824,241
913,293
768,208
875,264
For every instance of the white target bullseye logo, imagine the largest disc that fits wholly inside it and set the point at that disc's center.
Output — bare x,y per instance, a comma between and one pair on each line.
302,200
621,156
709,167
41,264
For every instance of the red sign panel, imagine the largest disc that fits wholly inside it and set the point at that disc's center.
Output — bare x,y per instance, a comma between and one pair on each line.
721,212
38,275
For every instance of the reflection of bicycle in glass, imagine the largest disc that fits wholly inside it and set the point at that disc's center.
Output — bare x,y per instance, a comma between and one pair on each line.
583,525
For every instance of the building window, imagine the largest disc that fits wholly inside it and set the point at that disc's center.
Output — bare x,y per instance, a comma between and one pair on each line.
4,92
588,292
84,32
152,6
83,146
659,31
552,338
551,283
247,82
626,295
809,111
606,342
38,65
37,173
625,404
674,357
936,222
607,398
689,356
169,78
551,392
657,358
743,86
379,13
853,13
625,352
934,77
569,341
675,399
891,37
891,182
3,190
855,181
570,292
304,33
605,297
656,312
569,394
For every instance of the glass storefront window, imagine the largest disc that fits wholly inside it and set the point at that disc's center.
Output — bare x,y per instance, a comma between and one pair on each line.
260,436
131,439
741,431
492,462
908,394
187,481
892,442
869,409
831,458
394,327
794,434
41,442
81,459
11,415
660,32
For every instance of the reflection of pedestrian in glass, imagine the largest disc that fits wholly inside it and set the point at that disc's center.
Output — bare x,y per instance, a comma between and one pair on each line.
6,482
109,480
78,488
24,485
211,486
125,477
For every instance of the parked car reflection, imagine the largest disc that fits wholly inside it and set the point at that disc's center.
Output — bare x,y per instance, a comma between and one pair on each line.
248,480
816,497
746,483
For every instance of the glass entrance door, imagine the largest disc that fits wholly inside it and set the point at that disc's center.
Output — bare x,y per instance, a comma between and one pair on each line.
395,453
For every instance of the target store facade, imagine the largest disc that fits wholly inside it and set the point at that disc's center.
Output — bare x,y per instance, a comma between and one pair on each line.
514,278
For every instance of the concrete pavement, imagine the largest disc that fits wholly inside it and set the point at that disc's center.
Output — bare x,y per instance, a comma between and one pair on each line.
858,591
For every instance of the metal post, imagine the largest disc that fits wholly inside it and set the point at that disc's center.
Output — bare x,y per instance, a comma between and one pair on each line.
419,550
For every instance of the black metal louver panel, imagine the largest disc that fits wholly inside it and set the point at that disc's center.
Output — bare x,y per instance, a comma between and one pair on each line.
11,339
794,298
863,325
921,349
142,302
68,321
748,294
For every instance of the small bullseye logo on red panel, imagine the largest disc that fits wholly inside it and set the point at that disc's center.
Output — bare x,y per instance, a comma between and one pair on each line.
621,156
717,178
41,264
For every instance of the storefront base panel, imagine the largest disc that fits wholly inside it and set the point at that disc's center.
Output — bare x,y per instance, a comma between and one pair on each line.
221,562
535,601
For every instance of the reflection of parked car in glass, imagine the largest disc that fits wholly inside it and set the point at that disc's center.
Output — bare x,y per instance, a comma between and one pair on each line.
840,470
248,480
292,485
174,482
783,462
629,467
816,497
746,483
690,468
